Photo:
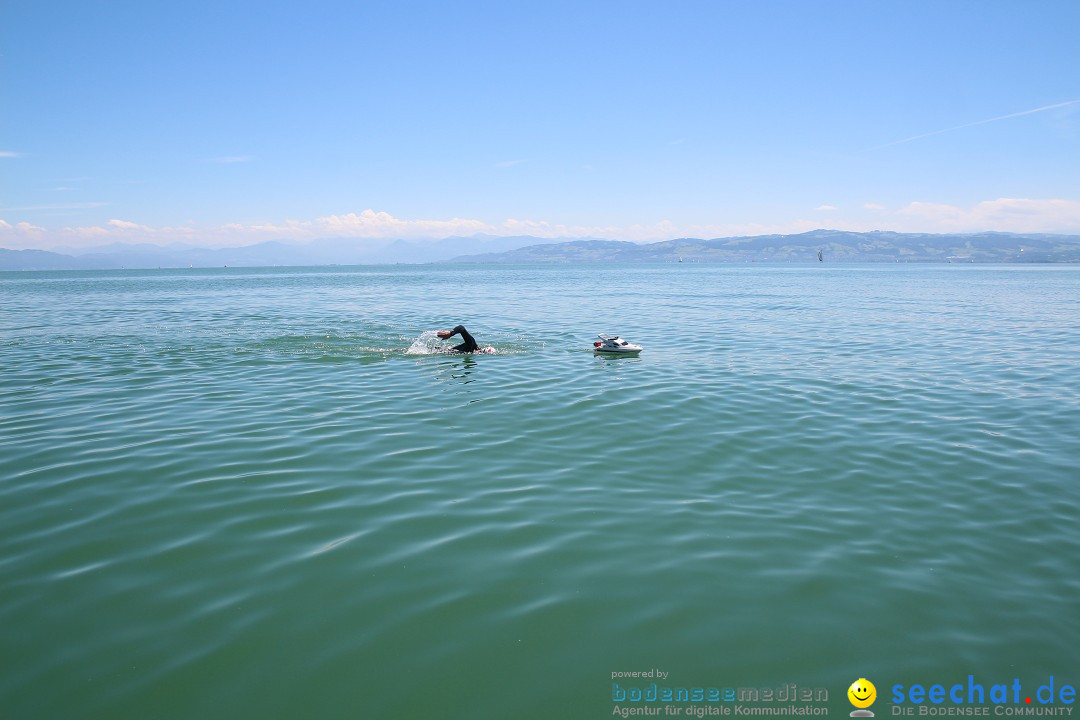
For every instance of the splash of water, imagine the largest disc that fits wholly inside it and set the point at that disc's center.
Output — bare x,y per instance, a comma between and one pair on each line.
427,344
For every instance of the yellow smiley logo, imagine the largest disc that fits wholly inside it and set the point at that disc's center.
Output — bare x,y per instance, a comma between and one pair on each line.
862,693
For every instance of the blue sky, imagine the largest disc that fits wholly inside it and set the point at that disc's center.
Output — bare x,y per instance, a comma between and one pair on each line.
222,122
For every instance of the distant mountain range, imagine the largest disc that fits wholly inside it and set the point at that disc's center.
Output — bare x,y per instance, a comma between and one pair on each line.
327,251
835,246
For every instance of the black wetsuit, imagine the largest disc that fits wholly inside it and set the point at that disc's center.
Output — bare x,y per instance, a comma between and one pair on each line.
470,342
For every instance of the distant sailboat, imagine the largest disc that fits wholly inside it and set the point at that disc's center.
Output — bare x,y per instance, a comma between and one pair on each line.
820,258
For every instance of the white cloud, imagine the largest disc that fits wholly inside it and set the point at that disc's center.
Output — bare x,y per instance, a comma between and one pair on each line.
9,154
1003,214
1053,215
873,206
509,163
21,234
370,223
826,208
86,232
124,225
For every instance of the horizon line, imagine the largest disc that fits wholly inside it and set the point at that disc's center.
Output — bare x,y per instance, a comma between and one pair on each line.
66,250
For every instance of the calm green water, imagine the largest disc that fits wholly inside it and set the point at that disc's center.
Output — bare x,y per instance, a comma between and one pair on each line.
242,493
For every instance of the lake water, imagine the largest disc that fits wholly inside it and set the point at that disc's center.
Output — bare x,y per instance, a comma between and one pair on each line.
237,493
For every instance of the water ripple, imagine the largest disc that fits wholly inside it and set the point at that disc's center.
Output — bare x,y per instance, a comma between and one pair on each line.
268,484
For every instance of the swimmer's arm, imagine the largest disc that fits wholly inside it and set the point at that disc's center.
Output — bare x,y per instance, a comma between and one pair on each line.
468,346
459,329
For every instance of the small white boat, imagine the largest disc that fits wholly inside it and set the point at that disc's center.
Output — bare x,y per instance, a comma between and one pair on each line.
615,344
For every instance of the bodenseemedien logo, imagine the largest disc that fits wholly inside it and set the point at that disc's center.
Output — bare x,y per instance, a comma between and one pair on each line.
862,695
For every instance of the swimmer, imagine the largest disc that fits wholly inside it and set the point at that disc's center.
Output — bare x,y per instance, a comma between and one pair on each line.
469,346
